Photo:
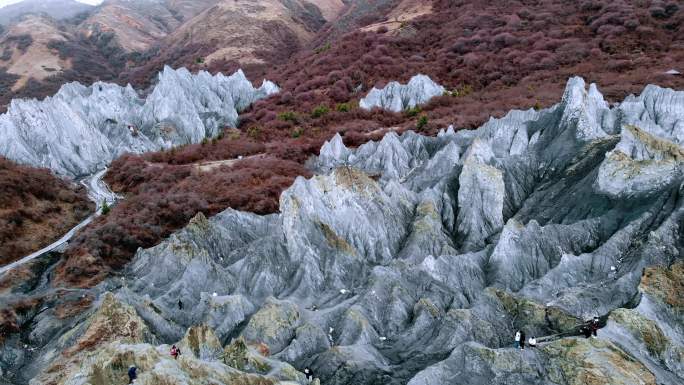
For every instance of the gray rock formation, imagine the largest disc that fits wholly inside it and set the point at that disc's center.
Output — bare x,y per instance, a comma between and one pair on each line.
399,97
414,259
81,129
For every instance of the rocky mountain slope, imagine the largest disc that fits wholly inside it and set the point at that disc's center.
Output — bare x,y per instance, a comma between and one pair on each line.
27,53
486,55
57,9
130,26
81,129
247,34
412,259
131,41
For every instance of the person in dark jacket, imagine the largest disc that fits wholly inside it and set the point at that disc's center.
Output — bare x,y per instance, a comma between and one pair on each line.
522,340
309,374
180,304
594,326
132,375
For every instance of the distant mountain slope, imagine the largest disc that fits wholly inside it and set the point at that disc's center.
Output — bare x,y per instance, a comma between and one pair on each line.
57,9
130,41
132,26
186,9
240,33
26,49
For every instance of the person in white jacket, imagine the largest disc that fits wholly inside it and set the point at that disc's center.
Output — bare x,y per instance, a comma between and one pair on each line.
517,339
532,342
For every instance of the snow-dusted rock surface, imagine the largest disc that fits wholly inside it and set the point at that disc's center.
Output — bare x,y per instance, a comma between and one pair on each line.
398,97
81,129
415,259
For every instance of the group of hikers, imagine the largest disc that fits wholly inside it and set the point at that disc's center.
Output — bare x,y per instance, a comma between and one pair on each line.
588,329
175,352
133,370
520,340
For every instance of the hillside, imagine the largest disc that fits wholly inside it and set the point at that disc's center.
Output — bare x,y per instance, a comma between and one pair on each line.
36,208
130,41
129,26
27,54
57,9
240,34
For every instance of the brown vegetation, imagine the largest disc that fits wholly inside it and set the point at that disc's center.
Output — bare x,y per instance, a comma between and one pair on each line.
161,198
493,60
36,208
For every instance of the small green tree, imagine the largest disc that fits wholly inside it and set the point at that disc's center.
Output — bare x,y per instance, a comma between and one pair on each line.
422,122
235,354
105,207
322,48
413,111
343,107
319,111
297,132
288,116
254,132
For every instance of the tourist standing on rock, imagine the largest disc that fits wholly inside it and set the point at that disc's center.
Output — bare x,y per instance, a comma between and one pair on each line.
132,375
175,352
522,340
309,374
517,339
180,304
594,327
586,331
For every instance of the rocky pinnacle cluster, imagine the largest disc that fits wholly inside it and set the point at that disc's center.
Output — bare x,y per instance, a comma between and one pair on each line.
81,129
414,260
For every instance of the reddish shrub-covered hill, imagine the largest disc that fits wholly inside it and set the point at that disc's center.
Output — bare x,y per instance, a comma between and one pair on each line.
36,208
491,55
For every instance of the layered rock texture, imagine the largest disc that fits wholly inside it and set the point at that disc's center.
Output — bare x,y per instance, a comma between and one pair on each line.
414,260
399,97
81,129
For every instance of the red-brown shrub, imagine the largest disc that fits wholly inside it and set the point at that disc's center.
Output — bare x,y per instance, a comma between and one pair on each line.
36,208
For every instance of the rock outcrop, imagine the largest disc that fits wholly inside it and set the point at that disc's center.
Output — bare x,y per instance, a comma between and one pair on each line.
415,259
399,97
81,129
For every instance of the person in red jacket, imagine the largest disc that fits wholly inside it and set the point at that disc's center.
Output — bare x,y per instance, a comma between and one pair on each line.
175,352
